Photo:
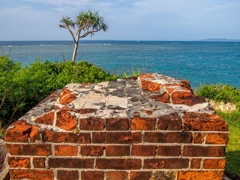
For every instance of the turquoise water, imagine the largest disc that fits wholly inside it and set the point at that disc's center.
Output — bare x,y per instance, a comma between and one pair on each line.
196,61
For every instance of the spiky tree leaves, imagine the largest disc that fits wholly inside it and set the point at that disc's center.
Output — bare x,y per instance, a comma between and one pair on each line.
86,23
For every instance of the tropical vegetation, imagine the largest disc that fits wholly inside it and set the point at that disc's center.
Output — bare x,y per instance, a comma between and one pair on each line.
86,23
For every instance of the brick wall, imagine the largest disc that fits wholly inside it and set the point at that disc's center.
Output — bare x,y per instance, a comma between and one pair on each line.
149,128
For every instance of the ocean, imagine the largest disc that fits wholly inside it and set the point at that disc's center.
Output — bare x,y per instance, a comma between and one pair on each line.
200,62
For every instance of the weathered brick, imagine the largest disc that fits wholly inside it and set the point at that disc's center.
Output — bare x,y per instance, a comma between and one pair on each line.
165,175
214,163
116,175
217,138
66,121
149,85
46,119
39,162
35,134
186,97
203,122
117,150
168,137
58,137
19,133
118,164
143,123
117,124
169,122
144,150
140,175
66,97
31,174
173,163
96,175
92,124
198,138
29,149
92,150
164,98
70,163
19,162
66,150
196,163
203,175
169,150
71,175
204,151
85,110
117,137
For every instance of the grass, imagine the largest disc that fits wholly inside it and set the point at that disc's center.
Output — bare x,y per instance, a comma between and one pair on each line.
225,93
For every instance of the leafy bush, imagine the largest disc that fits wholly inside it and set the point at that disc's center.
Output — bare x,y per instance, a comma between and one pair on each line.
23,87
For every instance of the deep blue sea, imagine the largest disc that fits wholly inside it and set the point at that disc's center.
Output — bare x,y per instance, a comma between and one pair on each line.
200,62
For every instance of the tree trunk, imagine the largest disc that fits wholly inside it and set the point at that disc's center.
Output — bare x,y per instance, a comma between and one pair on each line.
75,51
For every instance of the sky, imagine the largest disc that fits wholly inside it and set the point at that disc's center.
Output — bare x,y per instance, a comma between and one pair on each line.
126,19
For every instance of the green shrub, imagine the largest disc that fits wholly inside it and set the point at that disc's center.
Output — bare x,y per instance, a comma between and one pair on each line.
23,87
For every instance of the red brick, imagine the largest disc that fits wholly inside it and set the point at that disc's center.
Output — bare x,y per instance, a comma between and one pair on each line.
203,175
66,150
186,83
214,163
31,174
92,124
142,175
164,98
19,162
217,138
19,133
149,86
39,162
35,134
66,97
29,149
118,164
168,137
198,138
143,123
71,175
85,111
173,163
92,150
203,122
66,121
46,119
148,76
117,124
116,175
169,122
117,137
186,97
143,150
117,150
58,137
169,150
94,175
70,163
196,163
204,151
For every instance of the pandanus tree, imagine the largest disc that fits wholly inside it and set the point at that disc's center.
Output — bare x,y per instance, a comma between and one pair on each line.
86,23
